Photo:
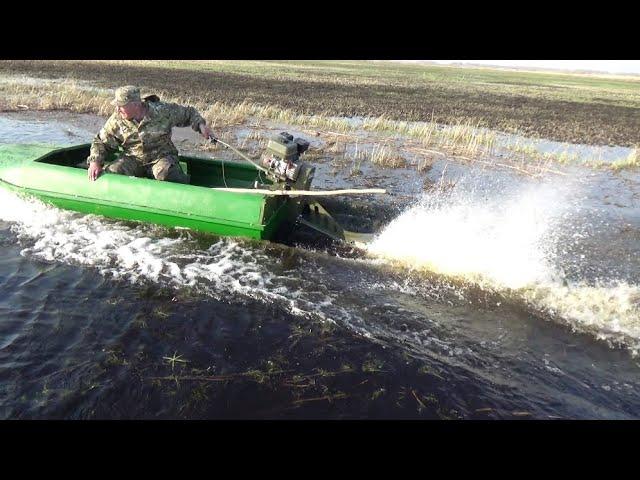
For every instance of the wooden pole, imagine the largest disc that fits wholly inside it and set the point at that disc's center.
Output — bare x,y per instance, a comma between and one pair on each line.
303,193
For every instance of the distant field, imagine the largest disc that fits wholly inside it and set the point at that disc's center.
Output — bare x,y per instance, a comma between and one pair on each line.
558,106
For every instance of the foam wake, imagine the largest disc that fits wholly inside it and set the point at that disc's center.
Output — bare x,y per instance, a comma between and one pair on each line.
229,269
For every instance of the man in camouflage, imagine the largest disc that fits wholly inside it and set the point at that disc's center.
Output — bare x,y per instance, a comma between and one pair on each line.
142,128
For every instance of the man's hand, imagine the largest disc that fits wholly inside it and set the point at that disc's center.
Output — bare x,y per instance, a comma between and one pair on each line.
94,170
206,131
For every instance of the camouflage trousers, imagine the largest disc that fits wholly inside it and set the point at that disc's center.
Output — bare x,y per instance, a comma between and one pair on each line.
166,169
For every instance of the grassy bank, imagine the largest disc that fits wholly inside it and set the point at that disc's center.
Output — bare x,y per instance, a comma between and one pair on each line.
422,142
570,108
17,93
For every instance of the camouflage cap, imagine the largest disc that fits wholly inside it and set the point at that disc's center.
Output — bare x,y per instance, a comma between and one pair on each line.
125,95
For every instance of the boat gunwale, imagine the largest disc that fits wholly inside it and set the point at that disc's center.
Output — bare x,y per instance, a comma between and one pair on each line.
219,161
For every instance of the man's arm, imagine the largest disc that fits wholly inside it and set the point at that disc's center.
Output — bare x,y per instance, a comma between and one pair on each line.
106,141
182,116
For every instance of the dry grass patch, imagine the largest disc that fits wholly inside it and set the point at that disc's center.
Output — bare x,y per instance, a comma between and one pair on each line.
464,138
61,96
386,157
632,161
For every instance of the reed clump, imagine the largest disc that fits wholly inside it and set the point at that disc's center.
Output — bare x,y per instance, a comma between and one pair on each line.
386,157
467,139
424,164
632,161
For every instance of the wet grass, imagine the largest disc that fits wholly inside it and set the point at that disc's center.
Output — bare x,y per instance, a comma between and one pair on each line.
467,140
386,157
21,94
347,389
266,367
632,161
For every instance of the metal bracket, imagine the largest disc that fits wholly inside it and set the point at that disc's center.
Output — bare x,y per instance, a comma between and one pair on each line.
320,220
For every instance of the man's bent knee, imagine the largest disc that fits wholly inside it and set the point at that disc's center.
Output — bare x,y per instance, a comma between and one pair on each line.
126,166
169,170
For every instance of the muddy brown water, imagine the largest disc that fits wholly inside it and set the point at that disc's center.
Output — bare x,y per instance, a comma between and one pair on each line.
501,297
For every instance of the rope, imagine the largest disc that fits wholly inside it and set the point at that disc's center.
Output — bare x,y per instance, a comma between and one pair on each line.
224,180
242,155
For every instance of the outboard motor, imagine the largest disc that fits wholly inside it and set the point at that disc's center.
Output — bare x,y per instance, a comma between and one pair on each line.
282,157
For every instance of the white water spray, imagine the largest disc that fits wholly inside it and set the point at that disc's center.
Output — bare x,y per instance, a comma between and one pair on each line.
506,243
502,241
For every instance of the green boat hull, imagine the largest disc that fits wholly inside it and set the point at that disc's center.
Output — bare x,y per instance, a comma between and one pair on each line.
57,176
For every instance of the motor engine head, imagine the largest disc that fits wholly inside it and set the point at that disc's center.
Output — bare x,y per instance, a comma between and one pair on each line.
282,156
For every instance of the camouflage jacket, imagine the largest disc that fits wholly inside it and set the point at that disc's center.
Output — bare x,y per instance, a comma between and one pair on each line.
147,140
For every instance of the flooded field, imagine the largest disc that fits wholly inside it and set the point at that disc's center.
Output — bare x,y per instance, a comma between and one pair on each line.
488,293
579,109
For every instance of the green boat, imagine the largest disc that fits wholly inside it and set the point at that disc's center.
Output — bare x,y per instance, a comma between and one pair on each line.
224,197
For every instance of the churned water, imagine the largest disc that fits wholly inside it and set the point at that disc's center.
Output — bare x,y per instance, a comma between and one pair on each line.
489,296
